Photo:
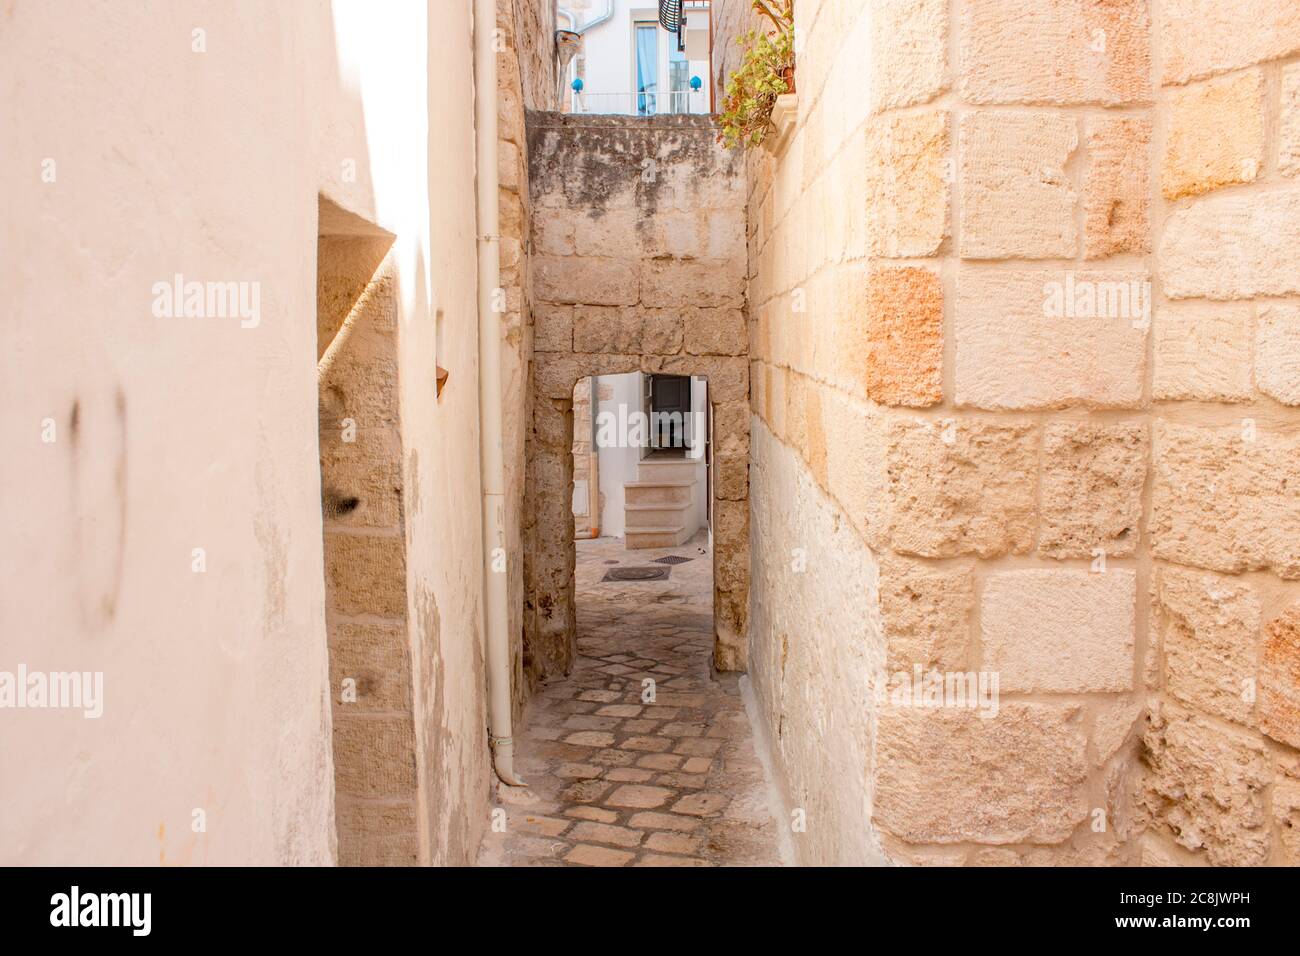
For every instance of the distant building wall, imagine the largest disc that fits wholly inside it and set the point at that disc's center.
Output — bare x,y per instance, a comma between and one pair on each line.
607,62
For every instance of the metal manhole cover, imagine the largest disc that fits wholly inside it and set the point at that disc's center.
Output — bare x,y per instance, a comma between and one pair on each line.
672,559
637,574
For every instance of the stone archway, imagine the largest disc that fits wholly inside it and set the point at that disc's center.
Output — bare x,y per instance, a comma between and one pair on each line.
637,242
549,612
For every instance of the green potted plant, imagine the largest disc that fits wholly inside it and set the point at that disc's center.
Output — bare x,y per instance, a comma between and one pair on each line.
766,73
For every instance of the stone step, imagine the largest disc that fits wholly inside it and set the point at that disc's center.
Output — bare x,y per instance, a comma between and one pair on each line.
654,537
650,469
656,515
657,492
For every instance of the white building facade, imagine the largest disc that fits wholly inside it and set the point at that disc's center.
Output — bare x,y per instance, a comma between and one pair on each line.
629,64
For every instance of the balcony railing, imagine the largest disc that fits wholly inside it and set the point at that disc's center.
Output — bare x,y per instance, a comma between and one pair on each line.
640,104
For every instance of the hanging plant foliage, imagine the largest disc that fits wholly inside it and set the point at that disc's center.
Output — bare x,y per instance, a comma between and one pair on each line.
766,72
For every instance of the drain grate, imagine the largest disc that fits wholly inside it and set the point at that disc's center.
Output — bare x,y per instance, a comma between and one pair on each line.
637,574
672,559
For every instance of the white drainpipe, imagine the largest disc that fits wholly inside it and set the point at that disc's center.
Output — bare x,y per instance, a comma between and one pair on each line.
491,458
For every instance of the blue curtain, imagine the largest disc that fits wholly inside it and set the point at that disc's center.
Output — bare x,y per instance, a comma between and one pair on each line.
647,68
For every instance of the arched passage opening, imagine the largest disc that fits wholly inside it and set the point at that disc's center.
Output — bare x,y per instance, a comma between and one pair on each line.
550,552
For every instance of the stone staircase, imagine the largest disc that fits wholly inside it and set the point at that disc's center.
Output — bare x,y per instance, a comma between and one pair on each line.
659,507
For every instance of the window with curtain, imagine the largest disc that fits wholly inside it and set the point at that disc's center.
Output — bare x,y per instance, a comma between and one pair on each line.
647,67
679,78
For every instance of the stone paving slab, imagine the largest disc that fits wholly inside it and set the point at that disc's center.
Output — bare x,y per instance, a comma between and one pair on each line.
640,757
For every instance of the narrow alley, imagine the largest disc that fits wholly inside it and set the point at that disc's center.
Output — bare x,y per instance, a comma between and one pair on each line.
641,757
649,433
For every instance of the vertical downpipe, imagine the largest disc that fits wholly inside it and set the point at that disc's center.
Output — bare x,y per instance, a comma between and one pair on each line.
491,457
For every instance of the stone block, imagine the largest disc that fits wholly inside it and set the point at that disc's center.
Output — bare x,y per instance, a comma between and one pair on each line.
909,52
1224,498
377,658
1205,786
590,281
603,232
374,755
1202,352
1059,631
508,165
724,235
1210,630
1277,351
1017,199
553,231
1050,339
949,776
731,475
716,332
1286,820
361,480
1092,482
1233,246
1204,37
905,330
552,328
675,283
1279,678
366,573
1214,136
377,834
661,331
1062,52
965,487
1116,198
1288,147
925,613
907,175
606,329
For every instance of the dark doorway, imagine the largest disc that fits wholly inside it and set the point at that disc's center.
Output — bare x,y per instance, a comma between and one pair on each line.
670,407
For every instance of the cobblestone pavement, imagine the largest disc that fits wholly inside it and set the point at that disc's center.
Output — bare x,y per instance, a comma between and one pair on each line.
615,780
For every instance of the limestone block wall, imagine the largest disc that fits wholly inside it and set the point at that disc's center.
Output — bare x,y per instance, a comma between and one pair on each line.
639,264
1221,768
1020,306
359,419
526,80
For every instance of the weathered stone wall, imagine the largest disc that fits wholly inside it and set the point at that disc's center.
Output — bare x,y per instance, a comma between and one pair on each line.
375,764
1098,504
638,235
526,80
1221,771
816,617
